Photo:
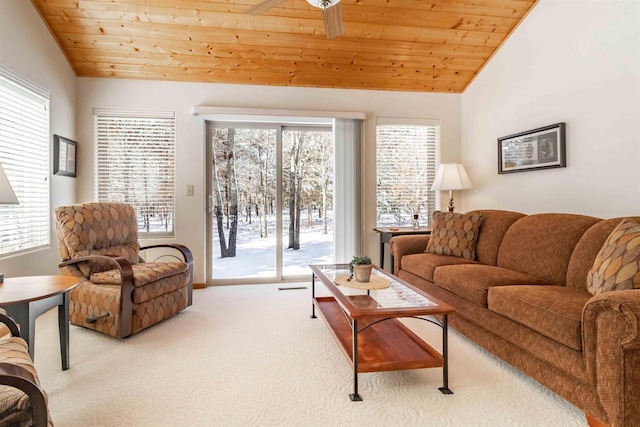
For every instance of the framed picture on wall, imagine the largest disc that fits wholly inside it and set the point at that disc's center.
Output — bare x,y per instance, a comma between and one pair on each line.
541,148
65,152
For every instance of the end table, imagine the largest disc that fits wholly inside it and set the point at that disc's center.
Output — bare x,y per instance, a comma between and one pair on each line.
26,298
386,233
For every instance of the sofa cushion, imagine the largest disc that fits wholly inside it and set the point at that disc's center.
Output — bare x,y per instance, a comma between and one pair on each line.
553,311
454,234
143,273
424,265
472,281
617,265
97,229
542,244
495,224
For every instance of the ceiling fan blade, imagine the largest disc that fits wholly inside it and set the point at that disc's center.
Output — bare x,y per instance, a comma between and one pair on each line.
333,24
263,7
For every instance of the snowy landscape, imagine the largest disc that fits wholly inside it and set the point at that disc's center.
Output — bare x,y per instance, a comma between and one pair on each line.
256,257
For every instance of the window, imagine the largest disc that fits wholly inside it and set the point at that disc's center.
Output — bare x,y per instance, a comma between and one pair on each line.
135,164
24,154
407,160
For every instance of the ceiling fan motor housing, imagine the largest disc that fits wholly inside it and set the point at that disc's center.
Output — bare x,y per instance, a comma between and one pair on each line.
323,4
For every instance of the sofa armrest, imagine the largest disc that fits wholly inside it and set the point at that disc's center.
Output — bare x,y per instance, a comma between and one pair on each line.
16,376
406,245
10,324
611,343
126,290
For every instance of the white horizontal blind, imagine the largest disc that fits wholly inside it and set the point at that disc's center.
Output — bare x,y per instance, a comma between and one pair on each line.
407,161
135,164
24,154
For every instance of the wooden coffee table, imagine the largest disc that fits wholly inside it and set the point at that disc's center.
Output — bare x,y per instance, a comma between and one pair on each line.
365,324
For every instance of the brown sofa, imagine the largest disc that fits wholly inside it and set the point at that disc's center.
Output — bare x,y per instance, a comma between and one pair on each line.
524,298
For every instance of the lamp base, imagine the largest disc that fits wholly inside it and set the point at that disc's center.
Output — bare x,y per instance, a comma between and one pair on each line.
451,205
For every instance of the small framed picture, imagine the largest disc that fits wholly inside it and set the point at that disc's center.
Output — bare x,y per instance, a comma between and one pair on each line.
541,148
65,152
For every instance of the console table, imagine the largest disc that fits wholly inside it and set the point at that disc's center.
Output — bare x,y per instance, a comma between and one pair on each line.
26,298
386,233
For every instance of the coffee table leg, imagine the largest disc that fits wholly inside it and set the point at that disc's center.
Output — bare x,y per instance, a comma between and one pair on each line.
313,295
355,397
445,355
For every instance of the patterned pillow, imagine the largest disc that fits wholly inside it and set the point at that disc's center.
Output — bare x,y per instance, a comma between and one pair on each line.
617,265
454,234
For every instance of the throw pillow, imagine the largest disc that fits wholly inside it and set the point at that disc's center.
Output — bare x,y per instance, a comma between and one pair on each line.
617,265
454,234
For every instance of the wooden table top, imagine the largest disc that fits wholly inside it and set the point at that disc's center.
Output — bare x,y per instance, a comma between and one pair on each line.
17,290
402,230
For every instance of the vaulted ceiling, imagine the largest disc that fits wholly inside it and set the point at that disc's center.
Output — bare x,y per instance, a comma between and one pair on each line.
410,45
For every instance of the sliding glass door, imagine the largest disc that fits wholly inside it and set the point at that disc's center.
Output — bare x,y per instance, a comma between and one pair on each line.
307,198
269,201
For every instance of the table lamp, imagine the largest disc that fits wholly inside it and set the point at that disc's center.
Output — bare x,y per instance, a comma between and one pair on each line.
451,176
7,197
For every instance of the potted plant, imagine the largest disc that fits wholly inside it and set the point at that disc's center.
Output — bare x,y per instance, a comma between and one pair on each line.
360,267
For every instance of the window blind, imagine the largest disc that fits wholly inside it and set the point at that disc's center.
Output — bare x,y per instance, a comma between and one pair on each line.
407,161
24,154
135,164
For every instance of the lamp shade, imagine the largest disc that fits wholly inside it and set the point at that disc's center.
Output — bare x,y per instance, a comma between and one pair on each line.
451,176
7,196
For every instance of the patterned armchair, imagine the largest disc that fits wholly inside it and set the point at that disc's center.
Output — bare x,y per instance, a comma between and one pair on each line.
119,293
22,401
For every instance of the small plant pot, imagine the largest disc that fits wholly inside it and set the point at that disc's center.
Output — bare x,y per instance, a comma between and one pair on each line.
362,273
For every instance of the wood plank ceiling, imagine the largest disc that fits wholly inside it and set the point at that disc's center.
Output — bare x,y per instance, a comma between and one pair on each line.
404,45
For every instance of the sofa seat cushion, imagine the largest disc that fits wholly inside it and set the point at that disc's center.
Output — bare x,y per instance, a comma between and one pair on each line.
160,287
472,281
424,265
553,311
143,273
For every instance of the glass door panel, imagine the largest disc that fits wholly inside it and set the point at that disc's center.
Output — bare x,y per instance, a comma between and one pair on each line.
242,201
307,199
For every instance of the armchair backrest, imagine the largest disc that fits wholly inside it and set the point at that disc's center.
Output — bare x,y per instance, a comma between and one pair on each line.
97,229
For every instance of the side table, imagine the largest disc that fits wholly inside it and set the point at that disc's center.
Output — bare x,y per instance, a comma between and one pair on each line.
26,298
386,233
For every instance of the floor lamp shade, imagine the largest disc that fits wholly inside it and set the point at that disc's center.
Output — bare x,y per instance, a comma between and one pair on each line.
451,176
7,196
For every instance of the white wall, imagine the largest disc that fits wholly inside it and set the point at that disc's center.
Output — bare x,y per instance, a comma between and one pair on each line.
180,97
27,48
573,62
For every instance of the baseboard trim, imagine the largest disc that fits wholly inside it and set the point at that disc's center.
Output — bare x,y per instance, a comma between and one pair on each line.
199,286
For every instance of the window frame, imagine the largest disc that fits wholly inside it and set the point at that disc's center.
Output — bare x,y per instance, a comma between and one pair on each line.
433,154
31,181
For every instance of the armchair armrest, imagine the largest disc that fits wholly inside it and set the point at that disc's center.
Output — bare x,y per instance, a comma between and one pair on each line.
188,258
611,344
126,292
18,377
406,245
10,324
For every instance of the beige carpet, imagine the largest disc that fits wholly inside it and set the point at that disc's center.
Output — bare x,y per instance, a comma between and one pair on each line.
251,356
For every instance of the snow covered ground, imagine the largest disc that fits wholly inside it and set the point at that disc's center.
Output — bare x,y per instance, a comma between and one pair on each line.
256,257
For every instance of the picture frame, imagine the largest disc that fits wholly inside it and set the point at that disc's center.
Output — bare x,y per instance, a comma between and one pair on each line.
65,154
541,148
